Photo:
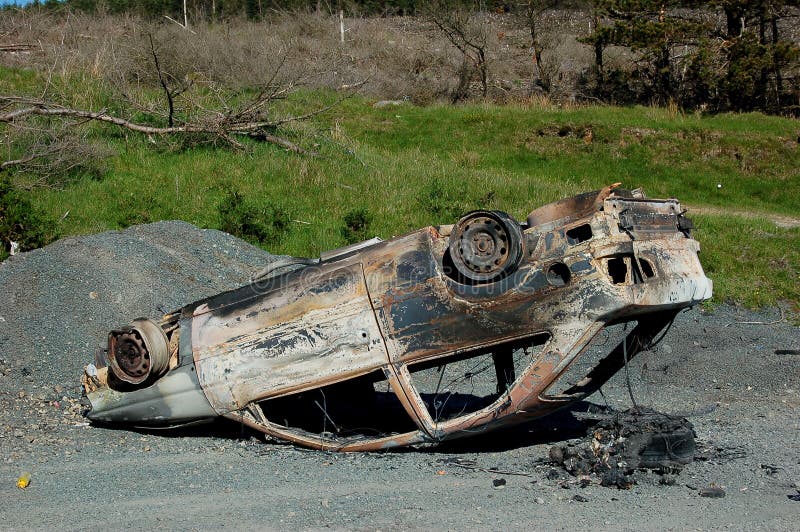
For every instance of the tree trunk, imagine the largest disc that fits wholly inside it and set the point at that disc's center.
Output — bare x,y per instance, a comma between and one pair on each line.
763,78
484,73
598,53
775,61
734,21
536,48
663,79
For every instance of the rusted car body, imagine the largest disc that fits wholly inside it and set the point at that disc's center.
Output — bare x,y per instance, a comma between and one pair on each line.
440,333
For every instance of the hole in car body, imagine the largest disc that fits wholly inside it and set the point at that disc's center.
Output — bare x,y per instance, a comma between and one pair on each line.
578,234
558,274
364,406
461,384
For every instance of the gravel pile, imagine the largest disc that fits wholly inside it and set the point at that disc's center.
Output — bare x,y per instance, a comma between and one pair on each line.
59,302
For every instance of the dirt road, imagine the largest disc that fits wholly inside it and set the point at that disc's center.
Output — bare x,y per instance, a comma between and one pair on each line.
60,301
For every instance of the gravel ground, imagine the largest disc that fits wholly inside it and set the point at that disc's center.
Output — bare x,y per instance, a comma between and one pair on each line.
60,301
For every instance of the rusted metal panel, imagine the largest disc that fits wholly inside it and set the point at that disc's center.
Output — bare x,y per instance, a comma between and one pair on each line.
306,334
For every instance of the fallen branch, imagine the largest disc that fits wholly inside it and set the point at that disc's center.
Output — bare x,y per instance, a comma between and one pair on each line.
775,322
21,47
181,25
492,470
221,128
20,161
52,154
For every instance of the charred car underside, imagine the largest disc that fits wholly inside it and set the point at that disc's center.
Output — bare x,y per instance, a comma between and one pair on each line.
440,333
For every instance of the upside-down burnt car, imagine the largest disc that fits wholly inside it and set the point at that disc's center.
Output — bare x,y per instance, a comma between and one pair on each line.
441,333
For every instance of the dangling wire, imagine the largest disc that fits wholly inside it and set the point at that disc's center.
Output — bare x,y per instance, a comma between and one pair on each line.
325,417
600,391
627,371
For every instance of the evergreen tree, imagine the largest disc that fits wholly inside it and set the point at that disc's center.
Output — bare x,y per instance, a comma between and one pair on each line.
738,66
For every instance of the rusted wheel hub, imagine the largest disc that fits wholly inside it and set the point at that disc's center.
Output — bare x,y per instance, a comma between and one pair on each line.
138,351
131,354
486,246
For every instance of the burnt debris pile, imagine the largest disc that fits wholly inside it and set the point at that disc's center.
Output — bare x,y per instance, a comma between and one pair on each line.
621,443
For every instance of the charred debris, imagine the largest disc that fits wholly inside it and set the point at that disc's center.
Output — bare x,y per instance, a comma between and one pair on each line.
620,444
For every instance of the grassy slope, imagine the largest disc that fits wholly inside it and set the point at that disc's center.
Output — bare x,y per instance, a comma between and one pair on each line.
414,166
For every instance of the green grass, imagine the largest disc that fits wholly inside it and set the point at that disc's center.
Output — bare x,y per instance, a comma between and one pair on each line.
750,261
412,166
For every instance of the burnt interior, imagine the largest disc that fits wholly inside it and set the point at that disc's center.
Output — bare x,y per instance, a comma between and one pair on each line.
464,383
647,268
364,406
558,274
599,347
618,270
579,234
619,266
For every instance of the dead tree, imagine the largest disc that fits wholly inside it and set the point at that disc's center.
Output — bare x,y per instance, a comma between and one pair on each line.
468,35
221,118
224,127
534,12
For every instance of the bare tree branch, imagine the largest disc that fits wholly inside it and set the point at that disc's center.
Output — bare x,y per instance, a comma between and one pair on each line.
18,162
216,115
223,128
53,155
17,47
468,38
167,92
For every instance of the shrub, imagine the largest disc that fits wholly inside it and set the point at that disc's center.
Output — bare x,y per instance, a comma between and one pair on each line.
134,212
55,155
20,222
356,225
241,218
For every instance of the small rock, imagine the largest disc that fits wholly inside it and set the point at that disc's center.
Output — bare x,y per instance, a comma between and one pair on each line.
538,500
617,477
499,483
712,492
556,454
770,469
387,103
580,498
